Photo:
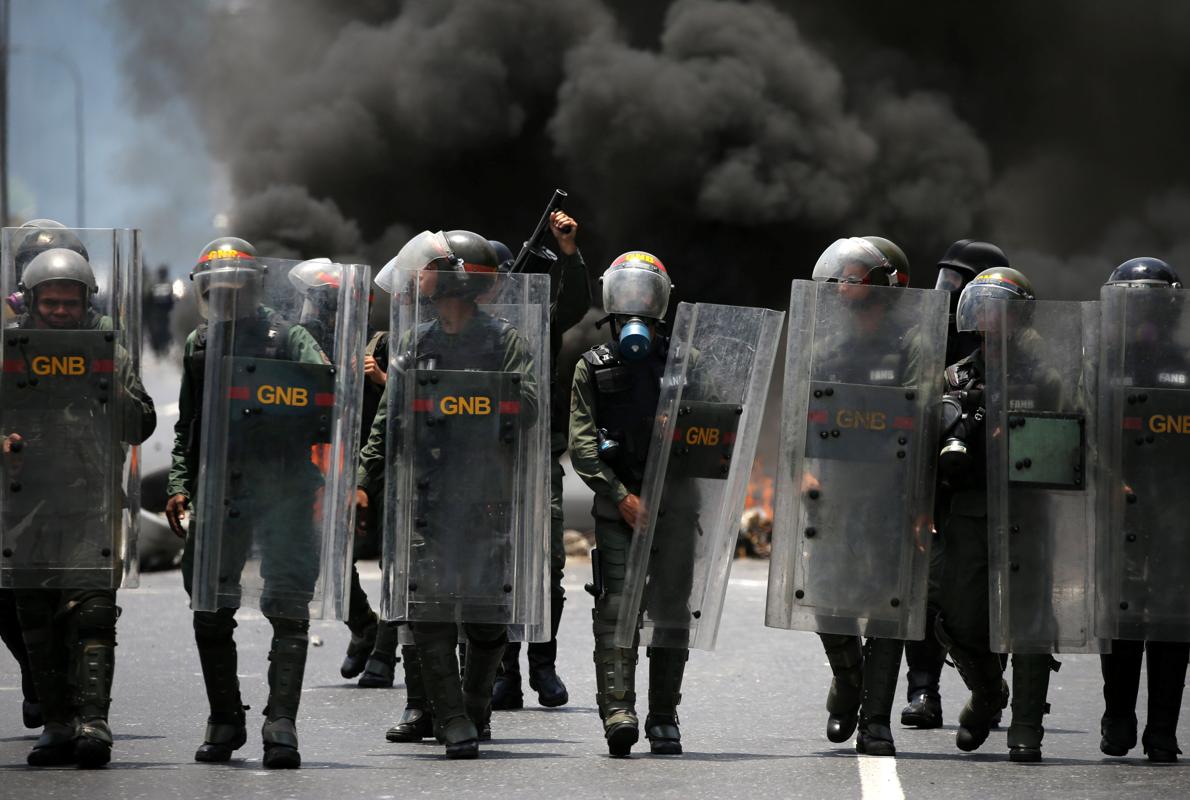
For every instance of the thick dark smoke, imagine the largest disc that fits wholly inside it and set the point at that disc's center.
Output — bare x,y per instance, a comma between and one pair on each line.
734,139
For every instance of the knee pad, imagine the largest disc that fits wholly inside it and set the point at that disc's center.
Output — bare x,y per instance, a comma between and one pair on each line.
290,630
214,626
95,618
607,610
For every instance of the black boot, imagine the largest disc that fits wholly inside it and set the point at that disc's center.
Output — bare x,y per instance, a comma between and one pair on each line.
925,660
287,668
382,662
882,662
360,647
10,633
847,686
1030,685
48,657
1121,683
666,668
506,692
416,721
225,733
93,688
1167,678
483,662
440,674
543,675
615,684
983,673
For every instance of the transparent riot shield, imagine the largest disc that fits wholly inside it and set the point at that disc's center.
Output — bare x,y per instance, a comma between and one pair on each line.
69,412
700,458
1145,434
1041,362
467,479
855,482
282,395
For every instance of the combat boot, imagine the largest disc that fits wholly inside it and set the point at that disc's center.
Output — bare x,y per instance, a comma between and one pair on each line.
94,663
382,663
1167,678
666,668
882,662
416,721
54,747
615,689
1030,685
440,676
361,645
506,691
287,667
1121,684
225,732
543,675
483,662
47,659
847,685
925,659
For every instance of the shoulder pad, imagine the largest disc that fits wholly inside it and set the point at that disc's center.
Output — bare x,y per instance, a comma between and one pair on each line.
600,356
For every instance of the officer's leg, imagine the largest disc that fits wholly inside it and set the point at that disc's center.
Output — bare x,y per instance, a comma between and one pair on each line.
485,648
92,625
543,675
846,658
506,691
615,667
436,646
925,660
672,600
49,661
1121,682
666,668
10,633
287,667
1030,685
882,663
363,624
380,670
214,636
416,721
1167,678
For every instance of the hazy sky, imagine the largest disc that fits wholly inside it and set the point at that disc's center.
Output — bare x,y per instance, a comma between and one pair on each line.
145,168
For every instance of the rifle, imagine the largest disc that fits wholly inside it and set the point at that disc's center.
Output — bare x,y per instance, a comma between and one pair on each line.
535,256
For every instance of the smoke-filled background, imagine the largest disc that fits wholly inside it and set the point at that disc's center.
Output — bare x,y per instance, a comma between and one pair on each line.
733,139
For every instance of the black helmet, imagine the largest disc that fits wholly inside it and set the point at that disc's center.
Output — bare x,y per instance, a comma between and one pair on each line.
45,234
228,267
503,253
470,253
965,259
1144,272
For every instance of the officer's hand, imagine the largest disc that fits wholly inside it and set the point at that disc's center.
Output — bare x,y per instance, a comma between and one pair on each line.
809,483
361,519
630,509
564,229
13,443
373,372
175,512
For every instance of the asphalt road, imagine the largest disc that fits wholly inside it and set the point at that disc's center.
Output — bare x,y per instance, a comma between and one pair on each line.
752,723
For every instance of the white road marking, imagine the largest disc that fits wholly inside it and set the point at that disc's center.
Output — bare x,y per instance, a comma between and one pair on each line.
878,778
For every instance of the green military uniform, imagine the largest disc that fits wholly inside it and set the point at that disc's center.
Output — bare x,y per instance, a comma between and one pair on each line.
461,709
281,533
622,396
70,633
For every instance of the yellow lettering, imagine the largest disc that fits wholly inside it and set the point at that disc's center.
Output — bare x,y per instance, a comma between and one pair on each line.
59,365
870,420
283,395
702,436
479,406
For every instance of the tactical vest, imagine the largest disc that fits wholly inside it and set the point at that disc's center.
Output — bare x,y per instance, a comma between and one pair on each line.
626,398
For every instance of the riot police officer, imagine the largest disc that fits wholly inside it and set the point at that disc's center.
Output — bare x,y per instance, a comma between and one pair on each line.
228,278
461,520
961,262
69,627
614,399
1142,302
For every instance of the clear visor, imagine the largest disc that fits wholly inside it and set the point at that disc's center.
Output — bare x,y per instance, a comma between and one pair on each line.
227,293
978,306
417,254
949,280
315,273
854,260
635,292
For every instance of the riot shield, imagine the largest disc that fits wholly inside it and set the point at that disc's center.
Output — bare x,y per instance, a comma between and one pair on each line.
1041,363
70,483
700,458
282,396
1145,392
855,482
466,480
